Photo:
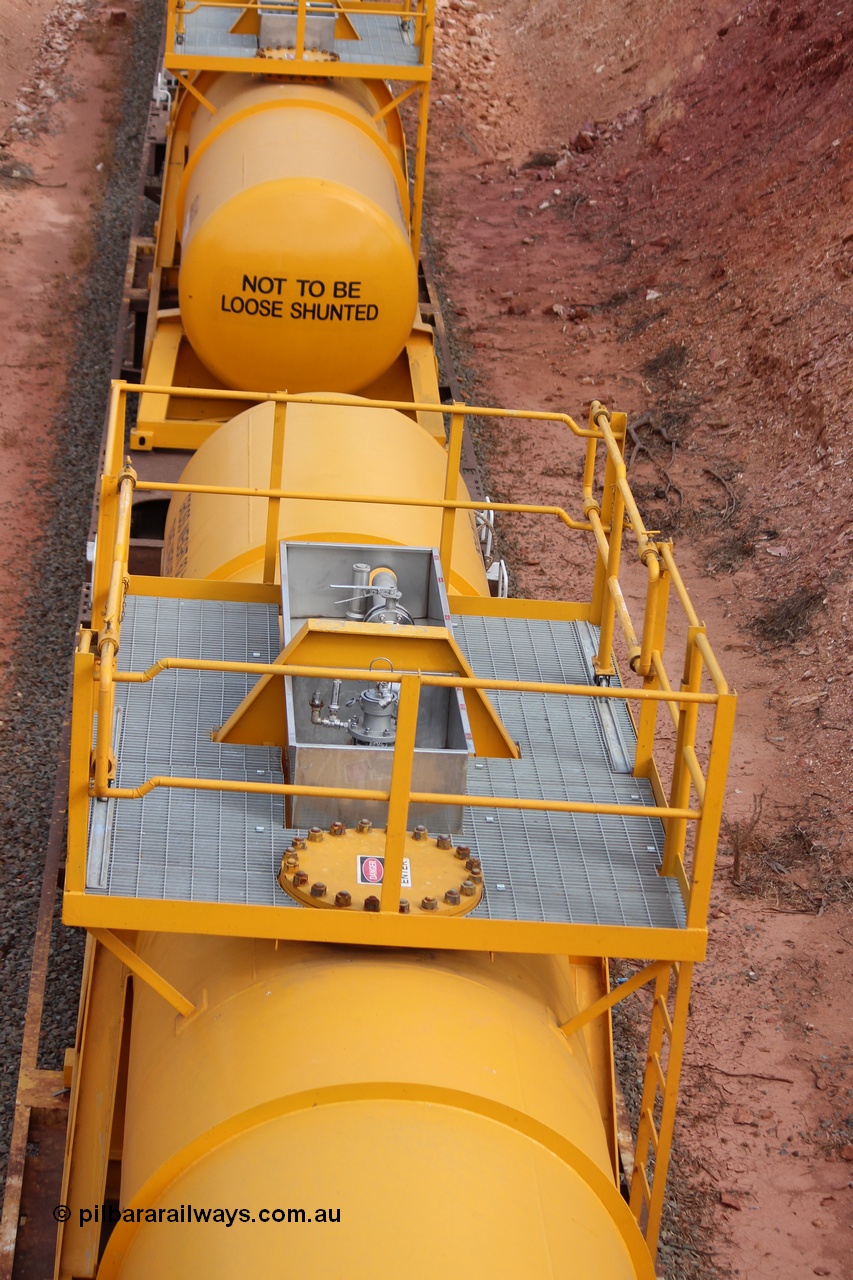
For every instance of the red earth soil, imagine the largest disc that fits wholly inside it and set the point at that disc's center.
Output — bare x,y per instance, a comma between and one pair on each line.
651,205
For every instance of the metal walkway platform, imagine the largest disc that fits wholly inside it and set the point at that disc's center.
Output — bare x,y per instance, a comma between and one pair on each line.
382,39
226,848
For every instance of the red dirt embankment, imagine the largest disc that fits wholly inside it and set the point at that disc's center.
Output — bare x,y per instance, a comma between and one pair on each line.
652,205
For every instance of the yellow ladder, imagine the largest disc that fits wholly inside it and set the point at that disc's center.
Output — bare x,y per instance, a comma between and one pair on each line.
660,1095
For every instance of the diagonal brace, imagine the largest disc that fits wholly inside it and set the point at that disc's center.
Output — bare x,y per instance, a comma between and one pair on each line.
144,971
640,979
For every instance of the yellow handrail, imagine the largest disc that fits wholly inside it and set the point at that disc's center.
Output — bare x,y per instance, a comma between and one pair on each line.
607,521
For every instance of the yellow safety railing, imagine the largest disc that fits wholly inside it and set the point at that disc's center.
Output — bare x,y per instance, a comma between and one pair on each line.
416,17
606,520
400,794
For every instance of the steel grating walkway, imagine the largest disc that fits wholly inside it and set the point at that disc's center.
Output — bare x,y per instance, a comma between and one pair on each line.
382,40
209,847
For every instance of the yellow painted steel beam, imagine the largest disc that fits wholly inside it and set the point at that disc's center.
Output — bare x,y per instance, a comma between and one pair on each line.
274,504
196,93
259,719
205,589
109,632
447,504
154,406
708,828
261,397
614,997
695,770
678,584
398,801
182,62
143,971
655,678
394,103
520,803
91,1109
603,662
519,607
451,483
464,933
714,669
426,678
591,980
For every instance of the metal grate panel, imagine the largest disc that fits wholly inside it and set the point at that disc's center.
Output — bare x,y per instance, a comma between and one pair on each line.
209,847
382,40
188,845
553,867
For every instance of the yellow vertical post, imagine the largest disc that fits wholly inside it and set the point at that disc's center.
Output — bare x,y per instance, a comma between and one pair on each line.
451,488
688,715
83,703
604,662
708,826
274,504
114,449
401,785
598,573
301,14
108,500
649,709
421,144
608,494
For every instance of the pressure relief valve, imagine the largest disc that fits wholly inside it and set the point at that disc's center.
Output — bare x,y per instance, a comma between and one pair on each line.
374,725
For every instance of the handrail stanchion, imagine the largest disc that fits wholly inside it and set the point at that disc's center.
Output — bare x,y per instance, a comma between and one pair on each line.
401,786
676,829
109,634
451,489
274,504
301,15
613,513
708,826
647,722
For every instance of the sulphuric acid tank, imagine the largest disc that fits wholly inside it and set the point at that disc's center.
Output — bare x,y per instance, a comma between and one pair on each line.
343,449
364,1113
296,266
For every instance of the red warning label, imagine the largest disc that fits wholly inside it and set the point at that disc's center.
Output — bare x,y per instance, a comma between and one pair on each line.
370,870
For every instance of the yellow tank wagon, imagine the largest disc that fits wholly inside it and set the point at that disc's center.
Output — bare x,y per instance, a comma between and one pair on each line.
353,838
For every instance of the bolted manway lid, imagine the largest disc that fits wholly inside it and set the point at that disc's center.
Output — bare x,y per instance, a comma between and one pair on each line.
344,869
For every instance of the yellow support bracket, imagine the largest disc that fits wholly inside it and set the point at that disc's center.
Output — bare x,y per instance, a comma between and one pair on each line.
339,645
144,971
196,93
395,102
614,997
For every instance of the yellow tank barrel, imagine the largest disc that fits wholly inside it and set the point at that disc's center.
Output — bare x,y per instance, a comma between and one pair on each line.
331,448
296,267
427,1104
